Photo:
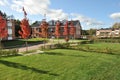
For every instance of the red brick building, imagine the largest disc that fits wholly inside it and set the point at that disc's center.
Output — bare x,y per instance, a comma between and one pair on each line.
11,30
51,28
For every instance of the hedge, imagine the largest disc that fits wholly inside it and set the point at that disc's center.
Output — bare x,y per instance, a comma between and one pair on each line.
10,52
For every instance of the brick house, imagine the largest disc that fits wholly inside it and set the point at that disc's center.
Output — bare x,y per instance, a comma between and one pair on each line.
11,29
35,29
108,32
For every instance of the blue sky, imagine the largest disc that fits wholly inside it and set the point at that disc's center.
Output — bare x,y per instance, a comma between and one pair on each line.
91,13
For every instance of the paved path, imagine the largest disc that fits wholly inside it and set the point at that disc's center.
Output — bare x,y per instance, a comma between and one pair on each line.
37,52
34,47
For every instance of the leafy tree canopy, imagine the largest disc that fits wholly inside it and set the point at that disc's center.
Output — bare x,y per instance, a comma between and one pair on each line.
3,14
116,25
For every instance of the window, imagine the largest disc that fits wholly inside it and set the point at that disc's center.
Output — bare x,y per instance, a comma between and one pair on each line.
9,31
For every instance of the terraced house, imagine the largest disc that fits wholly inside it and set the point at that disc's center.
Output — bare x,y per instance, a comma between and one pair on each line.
10,30
108,32
51,28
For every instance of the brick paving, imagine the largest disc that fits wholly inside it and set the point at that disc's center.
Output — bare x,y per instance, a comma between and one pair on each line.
32,47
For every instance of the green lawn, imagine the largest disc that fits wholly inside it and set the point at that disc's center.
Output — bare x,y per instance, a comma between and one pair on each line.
115,47
103,45
61,64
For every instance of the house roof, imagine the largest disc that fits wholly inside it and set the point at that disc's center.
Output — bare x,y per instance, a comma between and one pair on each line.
53,23
108,29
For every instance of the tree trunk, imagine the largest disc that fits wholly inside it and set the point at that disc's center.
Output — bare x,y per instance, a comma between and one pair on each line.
0,43
26,43
58,39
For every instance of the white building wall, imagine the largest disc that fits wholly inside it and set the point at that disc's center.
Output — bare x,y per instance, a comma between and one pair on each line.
9,25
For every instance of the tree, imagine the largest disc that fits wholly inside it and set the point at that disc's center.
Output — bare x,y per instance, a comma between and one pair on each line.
44,29
57,30
85,32
25,28
116,25
3,30
17,27
3,14
92,31
34,23
72,30
66,32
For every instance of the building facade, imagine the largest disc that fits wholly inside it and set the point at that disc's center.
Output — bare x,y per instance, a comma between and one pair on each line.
11,29
35,29
10,26
108,32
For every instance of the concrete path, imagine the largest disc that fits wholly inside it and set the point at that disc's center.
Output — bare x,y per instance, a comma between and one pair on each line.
37,52
32,47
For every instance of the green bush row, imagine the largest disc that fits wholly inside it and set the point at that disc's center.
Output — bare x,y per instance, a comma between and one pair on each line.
86,42
10,52
60,46
91,49
108,40
64,45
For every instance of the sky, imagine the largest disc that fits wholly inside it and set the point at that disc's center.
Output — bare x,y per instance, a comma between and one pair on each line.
91,13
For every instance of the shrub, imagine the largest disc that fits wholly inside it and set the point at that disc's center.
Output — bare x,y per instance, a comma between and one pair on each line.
11,52
87,48
108,40
87,42
108,50
47,47
42,48
63,45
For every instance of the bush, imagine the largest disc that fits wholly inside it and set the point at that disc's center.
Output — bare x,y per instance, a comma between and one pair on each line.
108,50
42,48
11,52
87,42
47,47
92,49
63,45
108,40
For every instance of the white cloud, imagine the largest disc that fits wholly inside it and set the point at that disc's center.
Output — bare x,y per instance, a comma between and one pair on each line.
31,6
36,7
115,15
87,20
3,2
57,14
41,7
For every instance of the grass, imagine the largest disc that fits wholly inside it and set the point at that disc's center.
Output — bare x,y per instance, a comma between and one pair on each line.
61,64
103,45
115,47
